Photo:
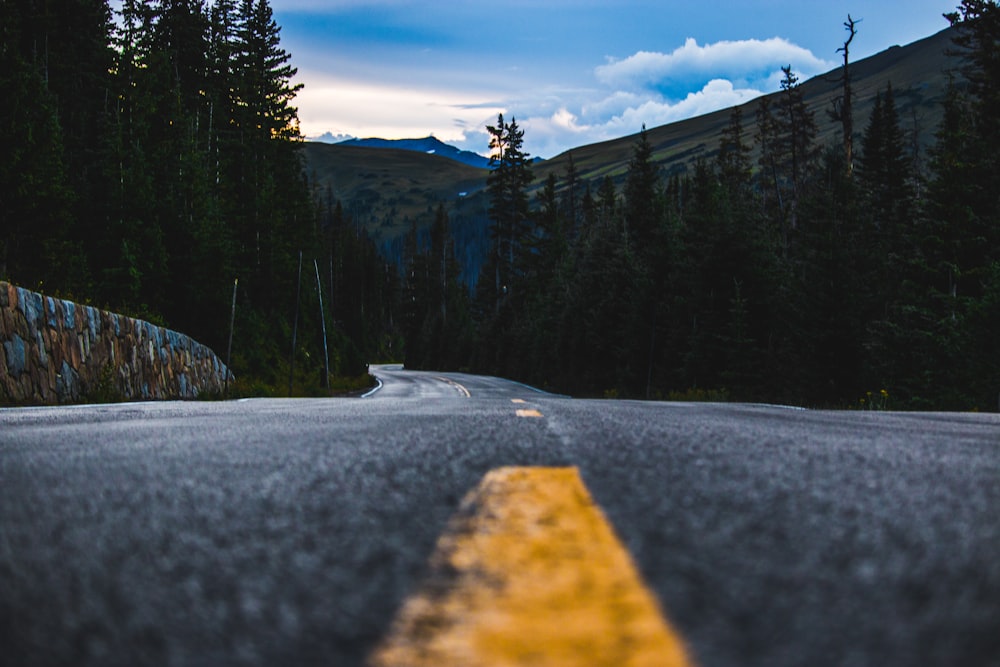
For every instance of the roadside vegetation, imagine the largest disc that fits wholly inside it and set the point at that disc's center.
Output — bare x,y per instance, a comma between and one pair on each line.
783,270
152,158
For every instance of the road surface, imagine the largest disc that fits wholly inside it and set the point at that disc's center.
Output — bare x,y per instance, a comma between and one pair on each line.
279,532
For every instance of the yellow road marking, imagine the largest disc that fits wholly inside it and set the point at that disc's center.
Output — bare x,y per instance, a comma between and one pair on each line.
462,390
517,400
529,572
528,413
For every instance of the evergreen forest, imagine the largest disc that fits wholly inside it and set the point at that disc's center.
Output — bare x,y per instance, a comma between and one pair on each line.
151,158
785,271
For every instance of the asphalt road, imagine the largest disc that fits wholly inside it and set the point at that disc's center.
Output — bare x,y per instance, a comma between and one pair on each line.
281,532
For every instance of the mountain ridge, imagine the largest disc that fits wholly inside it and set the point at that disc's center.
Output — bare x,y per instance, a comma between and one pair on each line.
918,72
429,145
388,190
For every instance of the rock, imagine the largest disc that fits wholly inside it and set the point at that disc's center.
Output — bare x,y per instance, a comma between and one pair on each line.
53,349
16,353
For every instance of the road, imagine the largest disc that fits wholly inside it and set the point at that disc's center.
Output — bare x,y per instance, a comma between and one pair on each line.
279,532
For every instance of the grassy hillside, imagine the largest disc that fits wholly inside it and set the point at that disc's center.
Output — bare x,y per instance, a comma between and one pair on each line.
918,73
385,189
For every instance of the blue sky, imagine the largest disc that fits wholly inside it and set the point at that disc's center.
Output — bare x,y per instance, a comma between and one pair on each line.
573,72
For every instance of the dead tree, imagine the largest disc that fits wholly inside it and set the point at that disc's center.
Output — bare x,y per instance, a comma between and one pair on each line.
842,105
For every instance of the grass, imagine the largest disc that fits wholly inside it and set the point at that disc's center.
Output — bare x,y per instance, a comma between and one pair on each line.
302,387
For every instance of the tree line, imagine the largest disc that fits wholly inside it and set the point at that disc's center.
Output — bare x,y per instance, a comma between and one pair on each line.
782,270
151,158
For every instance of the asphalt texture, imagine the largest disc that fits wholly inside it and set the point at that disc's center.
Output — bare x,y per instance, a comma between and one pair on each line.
280,532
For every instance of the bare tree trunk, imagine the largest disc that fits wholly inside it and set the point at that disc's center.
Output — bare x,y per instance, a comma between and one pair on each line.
846,113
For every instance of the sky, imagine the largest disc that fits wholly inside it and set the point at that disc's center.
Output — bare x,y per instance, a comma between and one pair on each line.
572,72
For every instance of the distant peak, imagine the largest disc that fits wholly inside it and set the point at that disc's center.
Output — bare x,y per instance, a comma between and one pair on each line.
430,145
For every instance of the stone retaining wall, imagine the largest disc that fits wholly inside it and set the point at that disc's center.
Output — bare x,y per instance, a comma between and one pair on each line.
54,351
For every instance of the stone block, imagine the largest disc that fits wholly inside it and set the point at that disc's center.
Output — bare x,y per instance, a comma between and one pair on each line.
67,383
30,305
16,353
43,354
50,310
93,322
70,352
6,322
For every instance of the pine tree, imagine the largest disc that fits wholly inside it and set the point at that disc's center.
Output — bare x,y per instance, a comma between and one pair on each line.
797,131
186,212
569,202
978,46
768,147
960,240
72,43
128,252
885,171
449,316
644,252
607,202
269,202
733,158
640,212
834,278
507,184
35,195
547,243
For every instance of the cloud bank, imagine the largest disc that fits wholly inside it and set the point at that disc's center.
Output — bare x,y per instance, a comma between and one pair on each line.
615,99
747,63
655,88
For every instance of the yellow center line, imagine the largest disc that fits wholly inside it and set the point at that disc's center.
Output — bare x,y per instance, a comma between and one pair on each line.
529,572
530,412
462,390
517,400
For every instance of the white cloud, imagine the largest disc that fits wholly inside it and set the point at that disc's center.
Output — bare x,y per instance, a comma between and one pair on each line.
717,94
656,88
746,62
565,120
552,134
594,110
646,88
347,107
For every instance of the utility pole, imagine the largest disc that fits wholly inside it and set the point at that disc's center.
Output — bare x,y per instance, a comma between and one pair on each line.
295,326
229,348
322,319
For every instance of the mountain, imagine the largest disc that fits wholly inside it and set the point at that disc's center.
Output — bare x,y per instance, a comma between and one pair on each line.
385,190
918,73
427,145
